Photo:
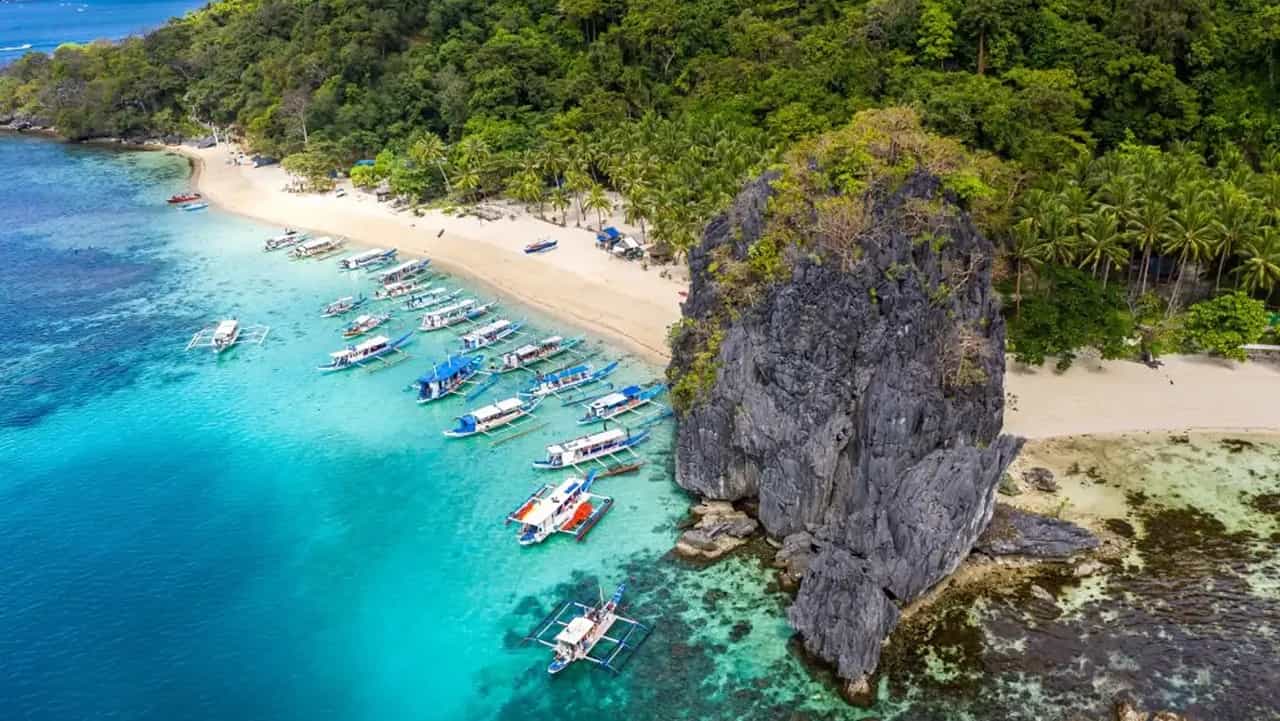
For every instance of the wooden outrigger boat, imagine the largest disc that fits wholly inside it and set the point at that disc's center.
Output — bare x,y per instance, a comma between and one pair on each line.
430,298
364,323
397,289
490,334
373,349
193,206
566,379
576,631
289,237
316,248
611,443
343,305
541,246
182,198
532,354
455,313
568,507
628,400
404,271
451,377
374,258
227,333
508,414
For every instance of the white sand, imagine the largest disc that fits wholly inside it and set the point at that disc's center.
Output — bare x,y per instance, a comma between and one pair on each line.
620,300
575,282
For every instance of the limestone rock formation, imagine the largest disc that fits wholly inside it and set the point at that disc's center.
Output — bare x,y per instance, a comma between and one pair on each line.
720,529
860,400
1015,532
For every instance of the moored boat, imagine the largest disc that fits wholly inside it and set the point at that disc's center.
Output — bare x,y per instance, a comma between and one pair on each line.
316,248
454,313
396,289
601,444
368,259
448,377
492,416
566,379
568,507
365,323
534,353
574,631
489,334
541,246
364,352
226,333
343,305
405,270
183,198
612,405
193,206
430,298
289,237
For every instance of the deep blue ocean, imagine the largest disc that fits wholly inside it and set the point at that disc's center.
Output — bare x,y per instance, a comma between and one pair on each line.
45,24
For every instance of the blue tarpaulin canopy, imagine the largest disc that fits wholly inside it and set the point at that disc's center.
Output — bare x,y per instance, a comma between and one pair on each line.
364,163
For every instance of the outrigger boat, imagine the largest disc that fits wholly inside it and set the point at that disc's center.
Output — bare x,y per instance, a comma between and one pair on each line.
448,378
227,333
565,379
450,315
316,248
430,298
604,444
193,206
397,289
343,305
488,418
576,631
627,400
534,353
488,335
364,323
568,507
405,270
284,240
541,246
368,259
361,353
182,198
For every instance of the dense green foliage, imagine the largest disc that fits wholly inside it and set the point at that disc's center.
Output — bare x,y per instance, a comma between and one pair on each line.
1072,311
1225,323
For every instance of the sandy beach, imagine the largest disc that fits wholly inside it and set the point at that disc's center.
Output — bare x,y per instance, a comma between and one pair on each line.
621,300
576,283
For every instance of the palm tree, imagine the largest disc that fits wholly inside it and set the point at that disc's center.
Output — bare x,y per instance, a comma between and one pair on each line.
1238,217
577,181
560,201
598,201
1055,228
1027,248
1149,225
639,205
1191,237
431,150
1260,269
1102,244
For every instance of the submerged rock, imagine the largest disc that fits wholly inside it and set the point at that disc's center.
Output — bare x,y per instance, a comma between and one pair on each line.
1015,532
1040,479
860,399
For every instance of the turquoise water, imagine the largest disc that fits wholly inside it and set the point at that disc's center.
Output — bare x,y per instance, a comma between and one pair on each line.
243,537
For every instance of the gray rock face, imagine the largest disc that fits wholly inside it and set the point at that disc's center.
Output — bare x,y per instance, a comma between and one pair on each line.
1014,532
835,404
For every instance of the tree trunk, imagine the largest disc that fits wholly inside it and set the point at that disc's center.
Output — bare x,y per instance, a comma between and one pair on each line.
443,176
1106,273
1146,263
1217,283
1177,284
643,237
982,52
1017,291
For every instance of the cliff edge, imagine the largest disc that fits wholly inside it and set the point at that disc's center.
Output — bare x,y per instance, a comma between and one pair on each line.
841,360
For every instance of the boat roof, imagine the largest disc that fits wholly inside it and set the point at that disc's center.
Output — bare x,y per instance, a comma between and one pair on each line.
408,264
317,242
448,369
482,331
565,372
368,254
453,307
362,319
613,434
484,413
375,341
226,326
575,630
609,400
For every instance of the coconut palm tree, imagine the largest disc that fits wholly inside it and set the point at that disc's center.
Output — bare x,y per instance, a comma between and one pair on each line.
1260,268
560,201
1238,218
1101,243
598,201
577,181
1149,224
1027,248
429,149
1191,237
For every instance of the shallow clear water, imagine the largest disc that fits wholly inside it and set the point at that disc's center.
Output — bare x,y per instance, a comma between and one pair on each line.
42,25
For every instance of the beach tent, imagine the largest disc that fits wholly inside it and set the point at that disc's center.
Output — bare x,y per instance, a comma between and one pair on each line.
608,237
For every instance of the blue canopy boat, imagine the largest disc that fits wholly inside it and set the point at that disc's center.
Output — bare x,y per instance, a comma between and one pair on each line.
361,353
448,377
627,400
566,379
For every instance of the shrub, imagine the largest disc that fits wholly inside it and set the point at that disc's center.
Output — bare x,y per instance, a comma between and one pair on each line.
1223,325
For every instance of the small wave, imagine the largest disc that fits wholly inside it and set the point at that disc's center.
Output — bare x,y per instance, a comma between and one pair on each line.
13,48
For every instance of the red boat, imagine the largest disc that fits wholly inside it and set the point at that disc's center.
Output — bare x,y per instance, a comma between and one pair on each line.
183,198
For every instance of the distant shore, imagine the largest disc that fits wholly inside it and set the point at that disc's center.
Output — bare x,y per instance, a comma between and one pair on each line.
576,283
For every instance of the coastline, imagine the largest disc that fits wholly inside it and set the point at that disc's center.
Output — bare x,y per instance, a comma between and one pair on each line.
575,283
